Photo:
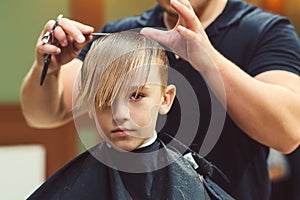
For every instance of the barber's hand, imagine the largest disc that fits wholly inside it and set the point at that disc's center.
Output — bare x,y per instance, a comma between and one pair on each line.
69,40
187,39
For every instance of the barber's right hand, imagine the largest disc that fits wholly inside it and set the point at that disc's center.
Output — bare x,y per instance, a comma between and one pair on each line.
69,36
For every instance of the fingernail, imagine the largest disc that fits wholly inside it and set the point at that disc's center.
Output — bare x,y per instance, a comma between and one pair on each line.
58,51
80,38
175,3
65,42
89,28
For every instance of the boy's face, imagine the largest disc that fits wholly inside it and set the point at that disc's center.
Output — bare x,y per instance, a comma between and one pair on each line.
131,120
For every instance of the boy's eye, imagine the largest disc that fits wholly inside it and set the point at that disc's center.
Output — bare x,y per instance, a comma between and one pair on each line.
136,96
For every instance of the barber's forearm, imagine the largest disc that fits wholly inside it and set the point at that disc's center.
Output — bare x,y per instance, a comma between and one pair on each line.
42,105
268,113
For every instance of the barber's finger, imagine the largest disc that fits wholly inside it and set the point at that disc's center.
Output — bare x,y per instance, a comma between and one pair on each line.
43,49
78,46
48,26
186,3
181,20
85,29
186,13
160,36
75,29
60,36
187,34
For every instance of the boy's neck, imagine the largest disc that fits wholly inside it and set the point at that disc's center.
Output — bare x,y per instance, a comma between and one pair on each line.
149,141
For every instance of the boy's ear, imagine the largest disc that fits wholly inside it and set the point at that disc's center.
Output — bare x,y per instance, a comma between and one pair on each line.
168,99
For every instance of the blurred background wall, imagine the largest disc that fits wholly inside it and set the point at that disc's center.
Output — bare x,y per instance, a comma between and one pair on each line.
21,22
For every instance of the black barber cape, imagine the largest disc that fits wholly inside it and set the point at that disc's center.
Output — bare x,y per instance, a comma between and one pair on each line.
86,178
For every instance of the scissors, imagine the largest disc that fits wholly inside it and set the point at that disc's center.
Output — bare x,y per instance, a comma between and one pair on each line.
46,39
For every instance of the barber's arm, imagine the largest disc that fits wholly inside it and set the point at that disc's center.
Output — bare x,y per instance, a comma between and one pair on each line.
266,107
49,105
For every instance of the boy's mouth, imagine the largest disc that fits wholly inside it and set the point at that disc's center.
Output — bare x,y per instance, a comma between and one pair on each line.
121,132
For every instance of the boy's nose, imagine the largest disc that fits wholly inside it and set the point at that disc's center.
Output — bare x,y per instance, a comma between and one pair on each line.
120,112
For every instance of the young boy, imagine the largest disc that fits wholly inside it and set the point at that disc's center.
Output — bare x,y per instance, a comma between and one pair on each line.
123,87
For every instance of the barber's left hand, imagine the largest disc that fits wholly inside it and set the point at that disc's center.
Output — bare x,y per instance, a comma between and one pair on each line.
187,39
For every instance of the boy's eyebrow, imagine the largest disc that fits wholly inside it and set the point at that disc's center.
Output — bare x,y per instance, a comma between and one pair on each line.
137,87
146,86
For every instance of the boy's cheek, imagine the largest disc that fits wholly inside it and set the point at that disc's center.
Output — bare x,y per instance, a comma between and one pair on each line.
145,117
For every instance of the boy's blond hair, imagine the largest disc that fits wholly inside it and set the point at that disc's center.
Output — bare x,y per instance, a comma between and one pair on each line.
116,61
